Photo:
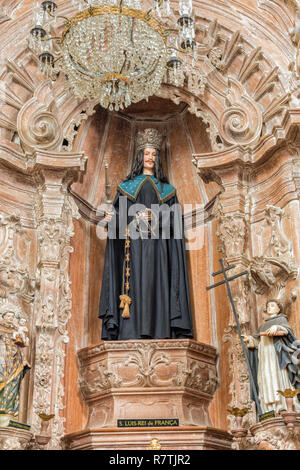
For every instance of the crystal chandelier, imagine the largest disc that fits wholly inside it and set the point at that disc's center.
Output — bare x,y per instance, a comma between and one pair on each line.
112,50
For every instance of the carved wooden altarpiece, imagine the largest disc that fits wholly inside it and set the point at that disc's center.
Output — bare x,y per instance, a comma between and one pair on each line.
231,148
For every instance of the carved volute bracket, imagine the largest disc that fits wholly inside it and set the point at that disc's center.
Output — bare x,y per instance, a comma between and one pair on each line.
37,125
241,123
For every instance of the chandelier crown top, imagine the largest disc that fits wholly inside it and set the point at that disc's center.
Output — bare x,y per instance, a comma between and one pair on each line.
148,138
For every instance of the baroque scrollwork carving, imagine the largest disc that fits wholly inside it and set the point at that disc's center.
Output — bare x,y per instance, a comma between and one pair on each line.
96,379
200,377
239,385
272,435
84,112
271,271
197,82
4,15
129,346
241,122
147,365
279,439
146,360
140,378
232,231
14,439
37,124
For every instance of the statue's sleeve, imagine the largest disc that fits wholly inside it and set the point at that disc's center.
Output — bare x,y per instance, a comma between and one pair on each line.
288,352
111,288
180,311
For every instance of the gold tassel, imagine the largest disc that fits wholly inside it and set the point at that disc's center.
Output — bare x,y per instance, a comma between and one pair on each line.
122,304
126,312
125,302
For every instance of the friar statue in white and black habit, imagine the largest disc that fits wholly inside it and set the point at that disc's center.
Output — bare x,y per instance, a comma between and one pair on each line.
145,288
274,353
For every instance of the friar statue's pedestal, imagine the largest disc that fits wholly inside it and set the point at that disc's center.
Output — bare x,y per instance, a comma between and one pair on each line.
14,438
158,380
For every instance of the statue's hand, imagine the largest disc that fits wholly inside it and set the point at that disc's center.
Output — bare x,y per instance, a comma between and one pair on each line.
246,338
276,330
107,216
249,341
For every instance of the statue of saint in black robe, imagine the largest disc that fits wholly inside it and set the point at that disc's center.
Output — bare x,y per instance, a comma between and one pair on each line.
159,290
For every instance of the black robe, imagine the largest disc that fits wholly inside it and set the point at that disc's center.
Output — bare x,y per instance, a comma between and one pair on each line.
159,287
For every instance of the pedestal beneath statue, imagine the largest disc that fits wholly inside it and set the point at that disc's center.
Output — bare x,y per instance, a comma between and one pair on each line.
14,439
148,380
279,433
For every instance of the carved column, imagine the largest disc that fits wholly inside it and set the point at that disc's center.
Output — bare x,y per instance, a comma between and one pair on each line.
54,210
233,232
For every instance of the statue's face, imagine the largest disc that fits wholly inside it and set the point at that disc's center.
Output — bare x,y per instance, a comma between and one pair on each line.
149,158
273,308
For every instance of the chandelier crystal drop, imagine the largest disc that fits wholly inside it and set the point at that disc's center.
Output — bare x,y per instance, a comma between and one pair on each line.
111,50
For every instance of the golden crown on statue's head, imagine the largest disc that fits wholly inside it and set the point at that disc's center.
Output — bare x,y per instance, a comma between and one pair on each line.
148,138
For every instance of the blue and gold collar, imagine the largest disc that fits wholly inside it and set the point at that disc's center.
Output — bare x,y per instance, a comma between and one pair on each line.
131,188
